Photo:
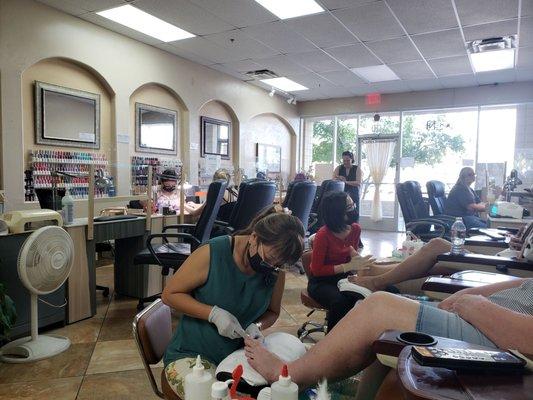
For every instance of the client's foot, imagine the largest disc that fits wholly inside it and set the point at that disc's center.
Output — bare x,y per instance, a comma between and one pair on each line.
368,282
262,360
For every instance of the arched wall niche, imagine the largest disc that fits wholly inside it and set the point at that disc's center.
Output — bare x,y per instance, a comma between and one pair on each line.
159,95
222,111
72,74
269,128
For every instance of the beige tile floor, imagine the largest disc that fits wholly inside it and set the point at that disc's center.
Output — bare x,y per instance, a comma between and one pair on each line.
103,362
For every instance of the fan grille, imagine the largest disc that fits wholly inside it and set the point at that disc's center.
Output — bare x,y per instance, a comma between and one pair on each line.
46,259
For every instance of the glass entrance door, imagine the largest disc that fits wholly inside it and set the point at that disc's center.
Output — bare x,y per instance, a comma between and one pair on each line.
389,221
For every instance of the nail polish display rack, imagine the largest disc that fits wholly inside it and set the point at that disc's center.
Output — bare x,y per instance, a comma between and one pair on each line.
139,171
44,162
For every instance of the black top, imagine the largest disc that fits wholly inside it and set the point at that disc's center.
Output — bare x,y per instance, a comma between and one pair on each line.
458,200
353,191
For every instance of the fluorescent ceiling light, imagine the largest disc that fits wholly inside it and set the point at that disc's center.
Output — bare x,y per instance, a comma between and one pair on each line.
376,73
493,60
284,84
291,8
145,23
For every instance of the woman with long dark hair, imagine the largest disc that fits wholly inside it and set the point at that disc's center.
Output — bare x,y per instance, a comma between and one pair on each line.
335,256
350,174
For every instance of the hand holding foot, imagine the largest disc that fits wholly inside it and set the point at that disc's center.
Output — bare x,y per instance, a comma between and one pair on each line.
262,360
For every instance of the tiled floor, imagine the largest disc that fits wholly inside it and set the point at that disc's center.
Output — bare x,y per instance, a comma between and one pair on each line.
103,361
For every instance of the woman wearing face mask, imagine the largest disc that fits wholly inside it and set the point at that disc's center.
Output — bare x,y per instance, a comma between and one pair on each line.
169,196
334,256
228,289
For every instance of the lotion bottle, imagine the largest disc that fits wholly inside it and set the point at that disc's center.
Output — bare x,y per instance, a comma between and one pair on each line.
284,388
198,382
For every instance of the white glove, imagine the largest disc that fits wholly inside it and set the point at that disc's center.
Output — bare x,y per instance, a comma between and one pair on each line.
358,263
226,323
254,332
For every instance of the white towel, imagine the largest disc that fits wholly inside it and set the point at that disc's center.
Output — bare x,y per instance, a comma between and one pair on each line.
345,285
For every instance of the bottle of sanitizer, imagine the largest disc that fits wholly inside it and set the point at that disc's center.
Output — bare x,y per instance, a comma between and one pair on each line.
284,388
198,383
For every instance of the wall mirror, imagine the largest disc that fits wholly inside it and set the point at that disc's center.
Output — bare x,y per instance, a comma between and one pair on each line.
155,129
215,137
66,117
268,158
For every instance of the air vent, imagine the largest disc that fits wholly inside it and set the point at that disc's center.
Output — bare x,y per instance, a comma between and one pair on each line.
262,74
491,44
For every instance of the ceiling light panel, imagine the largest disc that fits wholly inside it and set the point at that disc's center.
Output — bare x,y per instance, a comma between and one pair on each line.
284,84
376,73
143,22
493,60
285,9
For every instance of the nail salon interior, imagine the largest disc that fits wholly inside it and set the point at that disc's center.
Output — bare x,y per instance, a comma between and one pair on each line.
266,199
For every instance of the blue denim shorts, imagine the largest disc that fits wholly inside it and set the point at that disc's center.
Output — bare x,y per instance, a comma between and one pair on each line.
436,322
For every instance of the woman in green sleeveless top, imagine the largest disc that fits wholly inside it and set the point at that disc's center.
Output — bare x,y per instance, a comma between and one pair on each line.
229,289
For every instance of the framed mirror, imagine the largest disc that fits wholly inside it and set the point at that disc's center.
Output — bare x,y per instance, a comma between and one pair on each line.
268,158
66,117
215,137
155,129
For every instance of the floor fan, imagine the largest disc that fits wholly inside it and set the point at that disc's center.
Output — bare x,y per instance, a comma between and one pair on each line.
44,264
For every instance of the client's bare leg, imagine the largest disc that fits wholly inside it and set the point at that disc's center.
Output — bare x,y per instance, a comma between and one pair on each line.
347,348
418,265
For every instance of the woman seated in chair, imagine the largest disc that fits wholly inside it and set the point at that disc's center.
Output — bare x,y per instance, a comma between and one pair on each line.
464,202
334,256
468,315
227,289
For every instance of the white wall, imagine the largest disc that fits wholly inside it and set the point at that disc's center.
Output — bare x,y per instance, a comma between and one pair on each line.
30,31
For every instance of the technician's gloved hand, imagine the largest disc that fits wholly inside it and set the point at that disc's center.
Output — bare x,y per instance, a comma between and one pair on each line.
358,263
226,323
254,332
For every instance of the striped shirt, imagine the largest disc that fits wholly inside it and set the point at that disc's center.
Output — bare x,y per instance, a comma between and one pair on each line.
519,299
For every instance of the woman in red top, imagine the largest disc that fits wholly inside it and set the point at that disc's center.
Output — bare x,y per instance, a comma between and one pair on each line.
334,256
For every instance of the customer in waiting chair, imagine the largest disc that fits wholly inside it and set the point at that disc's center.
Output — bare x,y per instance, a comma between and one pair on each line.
334,256
228,289
464,202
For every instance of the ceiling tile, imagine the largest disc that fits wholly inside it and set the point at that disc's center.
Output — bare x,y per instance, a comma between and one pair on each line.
360,90
526,32
310,80
451,66
336,4
322,29
436,16
336,92
440,44
68,7
184,15
418,85
395,50
344,78
184,53
473,12
243,65
280,37
281,65
229,71
207,49
525,57
456,81
494,29
372,21
504,76
527,8
239,13
412,70
311,94
316,61
241,44
524,74
113,26
354,56
388,87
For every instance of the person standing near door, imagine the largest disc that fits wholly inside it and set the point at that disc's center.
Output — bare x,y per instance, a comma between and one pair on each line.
350,174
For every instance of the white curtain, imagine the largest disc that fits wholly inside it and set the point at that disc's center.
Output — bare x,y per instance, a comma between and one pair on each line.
379,154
